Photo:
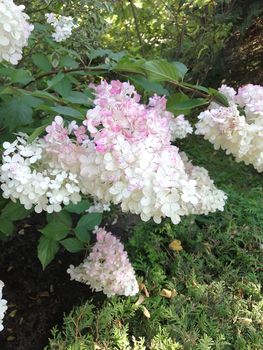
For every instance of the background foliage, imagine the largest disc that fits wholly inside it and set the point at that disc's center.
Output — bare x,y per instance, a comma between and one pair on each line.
217,274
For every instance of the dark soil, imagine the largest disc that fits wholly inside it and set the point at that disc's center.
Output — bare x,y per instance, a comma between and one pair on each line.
36,299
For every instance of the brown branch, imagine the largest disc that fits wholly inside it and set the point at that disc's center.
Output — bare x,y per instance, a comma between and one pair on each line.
137,27
65,71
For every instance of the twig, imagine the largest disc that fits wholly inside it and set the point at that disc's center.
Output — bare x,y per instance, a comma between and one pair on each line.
137,27
65,71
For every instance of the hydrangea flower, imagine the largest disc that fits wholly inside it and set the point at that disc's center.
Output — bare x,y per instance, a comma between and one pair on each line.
62,25
29,175
107,268
3,306
14,31
128,159
132,161
237,129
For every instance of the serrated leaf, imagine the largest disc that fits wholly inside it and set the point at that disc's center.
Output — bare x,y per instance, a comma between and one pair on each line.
56,79
44,94
176,99
161,70
55,230
47,249
17,75
68,111
63,216
72,245
14,211
149,86
37,132
31,100
78,208
63,87
127,64
15,112
42,62
6,226
218,97
69,62
78,97
181,68
21,76
188,105
86,224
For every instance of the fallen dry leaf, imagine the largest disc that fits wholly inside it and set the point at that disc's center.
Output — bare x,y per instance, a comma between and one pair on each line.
176,245
143,288
166,293
146,312
139,301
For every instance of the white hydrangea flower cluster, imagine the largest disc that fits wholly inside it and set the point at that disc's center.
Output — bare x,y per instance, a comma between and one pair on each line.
27,176
237,129
3,306
62,25
14,31
98,207
180,128
107,268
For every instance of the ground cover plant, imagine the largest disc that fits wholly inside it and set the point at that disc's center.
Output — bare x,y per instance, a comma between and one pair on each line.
91,137
204,293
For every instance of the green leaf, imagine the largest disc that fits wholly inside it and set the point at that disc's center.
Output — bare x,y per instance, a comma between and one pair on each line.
69,62
218,97
78,97
105,52
6,226
68,111
37,132
31,100
21,76
127,64
56,79
15,112
42,62
78,208
181,68
73,245
63,216
87,223
63,87
14,211
189,104
44,94
149,86
161,70
197,87
55,230
47,249
17,75
176,99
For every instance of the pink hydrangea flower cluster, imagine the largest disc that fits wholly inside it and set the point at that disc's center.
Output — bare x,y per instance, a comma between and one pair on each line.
238,129
128,159
135,164
107,268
